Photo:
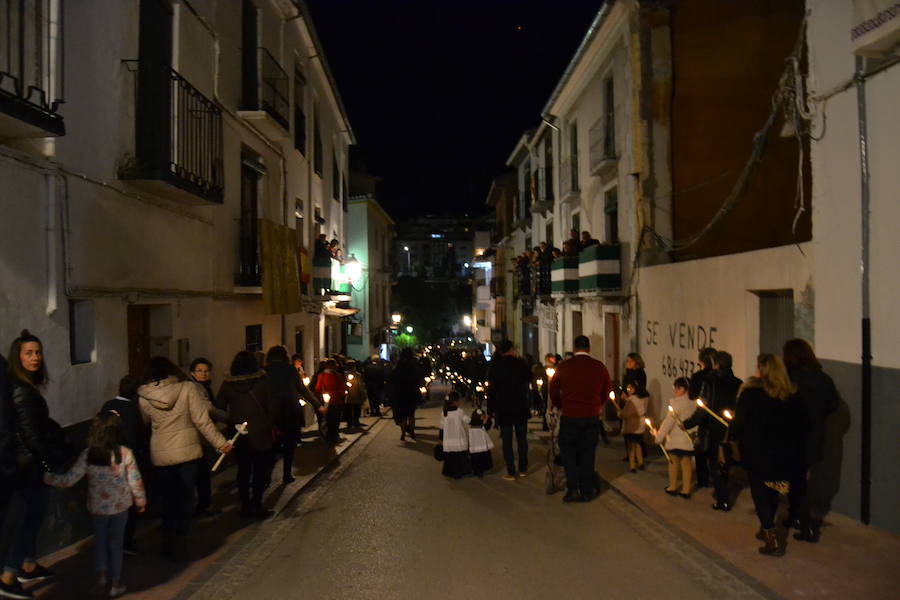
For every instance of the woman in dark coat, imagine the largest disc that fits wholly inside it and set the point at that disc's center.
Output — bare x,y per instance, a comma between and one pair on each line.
770,427
819,398
404,383
245,396
39,446
285,391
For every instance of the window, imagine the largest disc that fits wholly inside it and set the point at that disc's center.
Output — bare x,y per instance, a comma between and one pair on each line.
776,319
317,145
548,169
576,222
299,112
611,208
573,156
335,178
253,338
609,119
548,234
252,171
81,331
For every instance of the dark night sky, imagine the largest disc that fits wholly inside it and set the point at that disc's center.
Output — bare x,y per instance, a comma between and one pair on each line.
439,91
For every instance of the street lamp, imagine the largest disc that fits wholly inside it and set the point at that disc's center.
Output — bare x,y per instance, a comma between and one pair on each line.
396,319
409,329
467,321
408,260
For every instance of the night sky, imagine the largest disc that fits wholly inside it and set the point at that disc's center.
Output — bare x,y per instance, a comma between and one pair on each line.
439,91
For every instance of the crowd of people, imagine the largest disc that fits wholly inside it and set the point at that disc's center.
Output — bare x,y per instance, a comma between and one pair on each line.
532,267
772,426
155,443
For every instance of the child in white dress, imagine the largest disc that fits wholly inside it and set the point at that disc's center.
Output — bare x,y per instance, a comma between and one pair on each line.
480,444
455,438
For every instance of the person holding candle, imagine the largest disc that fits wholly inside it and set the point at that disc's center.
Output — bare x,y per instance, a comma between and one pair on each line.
286,389
247,396
719,393
769,425
697,382
332,382
676,440
173,404
356,395
633,427
635,373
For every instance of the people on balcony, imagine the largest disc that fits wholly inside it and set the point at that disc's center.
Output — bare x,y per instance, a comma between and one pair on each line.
571,248
587,240
323,248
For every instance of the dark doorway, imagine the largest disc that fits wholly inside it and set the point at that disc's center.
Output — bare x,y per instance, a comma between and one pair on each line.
138,339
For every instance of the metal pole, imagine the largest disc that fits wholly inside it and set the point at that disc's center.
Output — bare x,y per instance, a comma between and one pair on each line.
866,400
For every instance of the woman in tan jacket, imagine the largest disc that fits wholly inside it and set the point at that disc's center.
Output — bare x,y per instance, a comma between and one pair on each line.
177,413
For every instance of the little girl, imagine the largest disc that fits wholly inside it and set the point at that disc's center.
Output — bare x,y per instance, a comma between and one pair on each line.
632,415
114,484
455,438
480,444
677,440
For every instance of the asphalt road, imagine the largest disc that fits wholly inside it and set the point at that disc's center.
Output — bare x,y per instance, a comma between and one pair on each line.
385,524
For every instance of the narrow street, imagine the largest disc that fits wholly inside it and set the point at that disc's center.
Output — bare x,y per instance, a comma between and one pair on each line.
385,524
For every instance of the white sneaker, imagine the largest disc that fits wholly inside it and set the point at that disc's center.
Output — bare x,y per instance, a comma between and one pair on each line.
115,592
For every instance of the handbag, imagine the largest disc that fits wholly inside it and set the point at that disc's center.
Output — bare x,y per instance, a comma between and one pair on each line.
61,452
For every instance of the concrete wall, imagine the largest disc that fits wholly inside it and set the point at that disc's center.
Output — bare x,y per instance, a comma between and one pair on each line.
837,226
714,301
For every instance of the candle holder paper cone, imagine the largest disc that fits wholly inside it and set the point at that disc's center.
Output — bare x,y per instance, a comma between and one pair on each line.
241,430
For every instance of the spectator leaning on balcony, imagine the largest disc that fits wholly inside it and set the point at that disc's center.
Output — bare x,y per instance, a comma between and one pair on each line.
587,240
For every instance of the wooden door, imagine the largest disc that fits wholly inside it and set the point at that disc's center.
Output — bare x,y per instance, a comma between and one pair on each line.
611,355
138,339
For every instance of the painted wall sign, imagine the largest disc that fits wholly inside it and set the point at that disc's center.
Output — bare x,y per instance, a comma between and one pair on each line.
679,342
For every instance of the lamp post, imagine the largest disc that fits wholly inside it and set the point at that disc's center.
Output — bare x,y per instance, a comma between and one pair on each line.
408,261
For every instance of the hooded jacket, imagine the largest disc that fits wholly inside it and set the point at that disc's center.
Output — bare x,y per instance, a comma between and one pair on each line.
247,398
176,411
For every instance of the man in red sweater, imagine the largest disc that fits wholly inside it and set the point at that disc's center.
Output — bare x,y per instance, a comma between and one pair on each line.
578,390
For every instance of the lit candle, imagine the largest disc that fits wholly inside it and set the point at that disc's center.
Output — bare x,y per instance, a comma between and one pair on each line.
326,397
653,431
728,414
349,385
706,408
423,390
306,381
677,418
350,377
551,372
612,397
239,431
540,382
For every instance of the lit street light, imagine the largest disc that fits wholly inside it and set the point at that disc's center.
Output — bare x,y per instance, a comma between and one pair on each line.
409,329
396,319
467,321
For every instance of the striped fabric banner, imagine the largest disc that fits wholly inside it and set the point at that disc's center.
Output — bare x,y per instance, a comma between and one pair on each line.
600,268
564,276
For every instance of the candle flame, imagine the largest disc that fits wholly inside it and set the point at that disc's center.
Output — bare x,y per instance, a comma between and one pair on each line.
727,414
700,402
350,377
612,395
671,410
423,390
540,382
306,381
326,397
647,421
349,385
551,372
302,402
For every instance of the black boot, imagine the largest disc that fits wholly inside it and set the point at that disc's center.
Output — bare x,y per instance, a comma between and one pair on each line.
773,546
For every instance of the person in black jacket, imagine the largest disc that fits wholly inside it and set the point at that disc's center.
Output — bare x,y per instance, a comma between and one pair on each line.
510,379
136,438
404,385
374,376
719,393
820,398
285,391
8,468
770,427
697,381
39,447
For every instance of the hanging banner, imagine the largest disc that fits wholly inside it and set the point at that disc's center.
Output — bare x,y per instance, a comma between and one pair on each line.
280,276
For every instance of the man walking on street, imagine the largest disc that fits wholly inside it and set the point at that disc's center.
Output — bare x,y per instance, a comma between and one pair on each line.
510,379
579,389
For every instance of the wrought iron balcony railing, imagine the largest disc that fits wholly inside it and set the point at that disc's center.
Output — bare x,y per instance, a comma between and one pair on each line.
270,90
178,136
31,68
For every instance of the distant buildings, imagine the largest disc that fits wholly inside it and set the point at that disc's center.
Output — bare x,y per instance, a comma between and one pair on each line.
713,151
436,248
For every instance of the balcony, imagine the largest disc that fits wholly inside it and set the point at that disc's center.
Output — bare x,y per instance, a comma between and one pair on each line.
569,186
600,270
266,103
329,277
178,138
31,68
602,144
543,179
564,277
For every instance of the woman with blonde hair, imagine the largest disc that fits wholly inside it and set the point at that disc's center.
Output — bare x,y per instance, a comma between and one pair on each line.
770,427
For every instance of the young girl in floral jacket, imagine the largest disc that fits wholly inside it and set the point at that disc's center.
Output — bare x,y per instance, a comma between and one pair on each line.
114,484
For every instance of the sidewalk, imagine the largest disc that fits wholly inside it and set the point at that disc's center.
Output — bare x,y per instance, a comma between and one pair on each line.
850,560
149,576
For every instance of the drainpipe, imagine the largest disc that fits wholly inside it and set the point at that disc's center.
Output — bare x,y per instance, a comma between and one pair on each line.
866,454
52,245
